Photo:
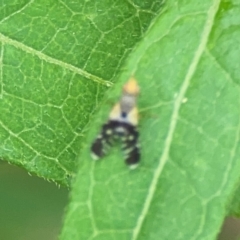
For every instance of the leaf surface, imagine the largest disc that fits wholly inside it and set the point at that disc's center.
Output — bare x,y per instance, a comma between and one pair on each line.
187,66
57,60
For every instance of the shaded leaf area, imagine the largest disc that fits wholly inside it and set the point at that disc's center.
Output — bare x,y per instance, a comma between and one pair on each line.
186,66
57,60
234,205
234,209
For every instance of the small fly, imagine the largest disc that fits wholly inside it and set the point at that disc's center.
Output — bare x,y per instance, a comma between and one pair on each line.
122,124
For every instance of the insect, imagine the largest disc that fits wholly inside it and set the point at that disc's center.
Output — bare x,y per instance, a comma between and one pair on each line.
122,124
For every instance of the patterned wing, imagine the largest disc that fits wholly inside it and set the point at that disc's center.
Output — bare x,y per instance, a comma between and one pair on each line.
131,146
103,141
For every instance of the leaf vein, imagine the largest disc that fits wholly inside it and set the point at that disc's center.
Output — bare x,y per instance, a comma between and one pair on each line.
225,72
55,61
31,148
16,12
173,121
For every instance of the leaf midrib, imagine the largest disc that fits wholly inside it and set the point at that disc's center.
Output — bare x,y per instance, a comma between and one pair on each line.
173,120
40,55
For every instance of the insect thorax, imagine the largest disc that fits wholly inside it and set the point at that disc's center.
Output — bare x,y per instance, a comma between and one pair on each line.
127,102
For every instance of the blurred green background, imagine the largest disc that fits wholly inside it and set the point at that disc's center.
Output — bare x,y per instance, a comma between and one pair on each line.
30,207
33,209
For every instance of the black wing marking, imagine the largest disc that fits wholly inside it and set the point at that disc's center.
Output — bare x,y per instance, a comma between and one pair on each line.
103,141
127,133
131,146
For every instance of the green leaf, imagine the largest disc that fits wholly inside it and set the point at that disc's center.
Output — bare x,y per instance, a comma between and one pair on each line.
57,60
234,207
187,66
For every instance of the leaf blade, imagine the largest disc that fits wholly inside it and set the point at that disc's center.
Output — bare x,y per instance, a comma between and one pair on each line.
186,199
57,61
